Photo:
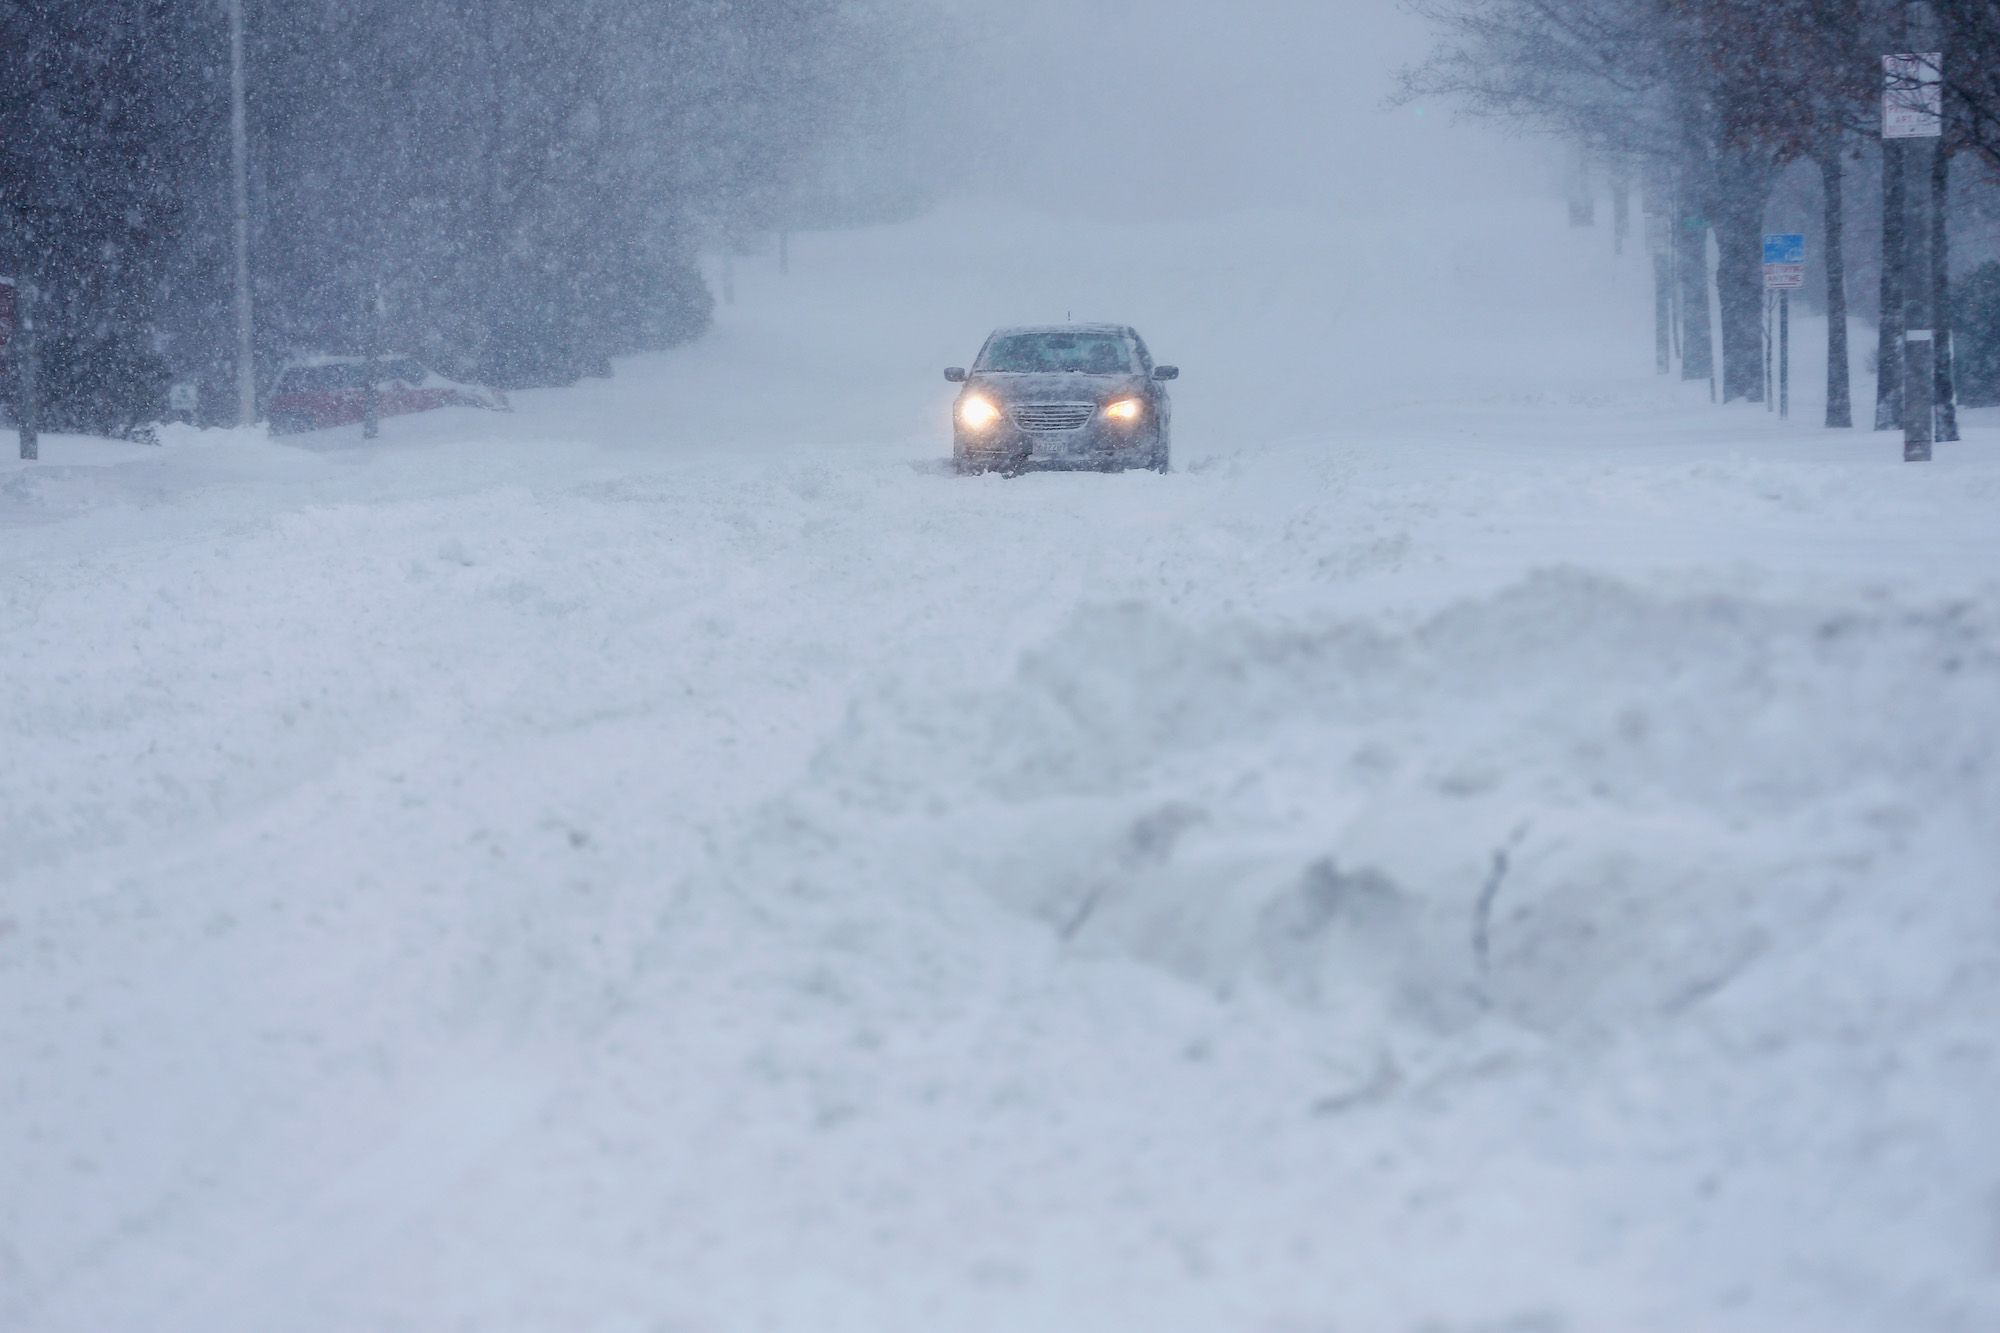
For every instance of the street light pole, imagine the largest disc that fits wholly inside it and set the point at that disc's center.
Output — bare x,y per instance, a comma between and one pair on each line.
239,139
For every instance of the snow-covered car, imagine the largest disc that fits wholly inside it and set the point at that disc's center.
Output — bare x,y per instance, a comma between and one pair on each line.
1062,396
313,393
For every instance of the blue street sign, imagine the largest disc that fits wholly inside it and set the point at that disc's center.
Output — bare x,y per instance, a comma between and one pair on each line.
1785,248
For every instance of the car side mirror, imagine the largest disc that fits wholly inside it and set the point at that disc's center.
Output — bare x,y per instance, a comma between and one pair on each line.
1166,372
956,374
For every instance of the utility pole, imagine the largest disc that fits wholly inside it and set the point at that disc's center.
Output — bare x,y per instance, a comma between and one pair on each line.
1919,309
239,143
1912,107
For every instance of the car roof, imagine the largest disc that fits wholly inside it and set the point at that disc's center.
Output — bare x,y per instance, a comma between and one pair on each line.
1064,328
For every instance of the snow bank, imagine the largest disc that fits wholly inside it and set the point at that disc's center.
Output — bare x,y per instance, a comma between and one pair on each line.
1681,908
1579,802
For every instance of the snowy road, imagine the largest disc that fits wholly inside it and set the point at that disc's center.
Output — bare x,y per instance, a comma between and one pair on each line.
1491,843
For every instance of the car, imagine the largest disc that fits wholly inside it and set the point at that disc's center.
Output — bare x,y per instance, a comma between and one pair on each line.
1062,396
313,393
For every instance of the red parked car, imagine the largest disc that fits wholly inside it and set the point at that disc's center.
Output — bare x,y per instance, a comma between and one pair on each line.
316,392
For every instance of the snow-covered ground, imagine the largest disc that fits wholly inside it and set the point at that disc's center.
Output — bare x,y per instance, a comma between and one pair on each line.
1492,842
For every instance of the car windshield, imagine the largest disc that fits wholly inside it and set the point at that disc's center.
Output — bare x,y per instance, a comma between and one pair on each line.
351,375
321,378
1056,351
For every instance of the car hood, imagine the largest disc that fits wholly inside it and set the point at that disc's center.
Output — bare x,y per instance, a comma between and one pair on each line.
1061,388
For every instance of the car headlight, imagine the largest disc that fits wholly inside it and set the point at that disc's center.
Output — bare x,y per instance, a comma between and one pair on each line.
1125,410
977,413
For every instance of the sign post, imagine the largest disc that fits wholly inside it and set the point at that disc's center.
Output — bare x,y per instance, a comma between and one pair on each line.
1784,273
1770,393
1913,110
1784,354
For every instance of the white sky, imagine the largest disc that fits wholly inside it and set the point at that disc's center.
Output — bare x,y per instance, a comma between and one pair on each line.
1177,106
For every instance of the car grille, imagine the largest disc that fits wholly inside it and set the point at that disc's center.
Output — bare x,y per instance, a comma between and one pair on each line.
1052,416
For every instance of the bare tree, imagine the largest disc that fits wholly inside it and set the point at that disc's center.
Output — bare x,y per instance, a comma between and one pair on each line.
1722,94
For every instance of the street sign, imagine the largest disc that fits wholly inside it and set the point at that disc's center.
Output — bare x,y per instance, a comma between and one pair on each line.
1913,95
1785,247
1784,261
